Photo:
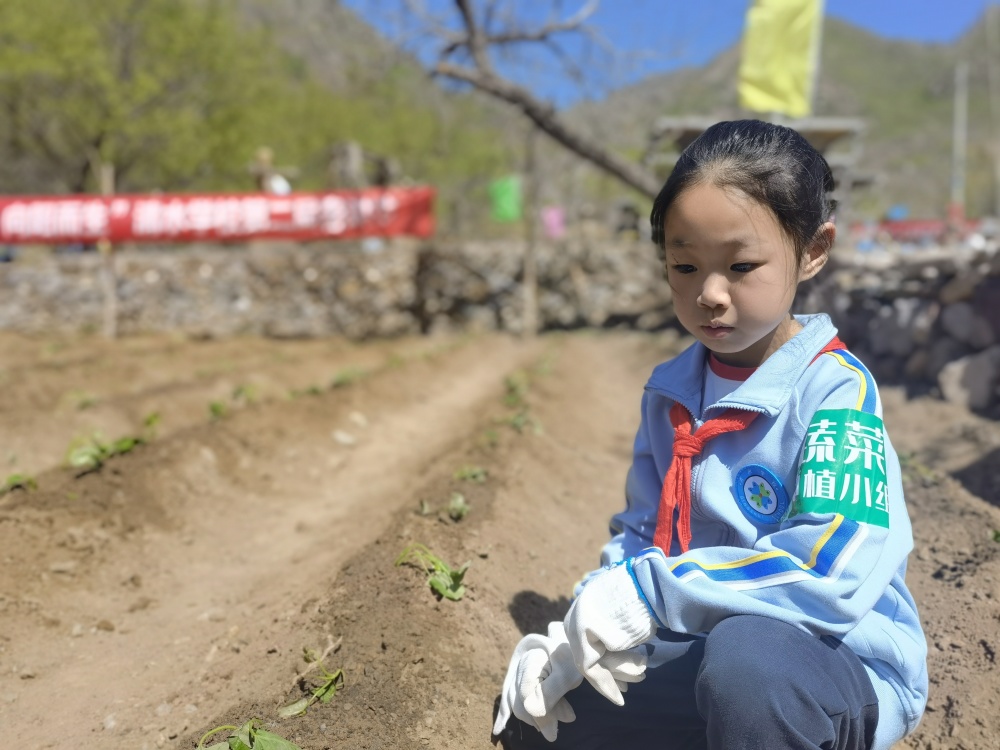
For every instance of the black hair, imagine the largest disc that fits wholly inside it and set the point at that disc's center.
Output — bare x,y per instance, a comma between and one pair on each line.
771,164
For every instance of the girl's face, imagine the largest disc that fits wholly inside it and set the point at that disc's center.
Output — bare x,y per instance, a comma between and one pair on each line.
733,272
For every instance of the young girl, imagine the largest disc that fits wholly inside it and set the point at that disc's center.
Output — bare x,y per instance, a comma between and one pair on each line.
752,594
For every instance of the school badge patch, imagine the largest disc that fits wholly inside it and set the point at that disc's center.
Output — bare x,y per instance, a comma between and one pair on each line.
843,467
760,494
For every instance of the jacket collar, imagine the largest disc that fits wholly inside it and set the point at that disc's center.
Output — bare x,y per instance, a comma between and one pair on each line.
766,391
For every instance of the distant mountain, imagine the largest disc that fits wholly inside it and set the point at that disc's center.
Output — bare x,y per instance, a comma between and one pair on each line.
903,90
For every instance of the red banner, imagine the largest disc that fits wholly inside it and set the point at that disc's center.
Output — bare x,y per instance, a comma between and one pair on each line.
376,212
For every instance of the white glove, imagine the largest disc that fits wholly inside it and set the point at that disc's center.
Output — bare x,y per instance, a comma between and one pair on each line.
540,674
609,617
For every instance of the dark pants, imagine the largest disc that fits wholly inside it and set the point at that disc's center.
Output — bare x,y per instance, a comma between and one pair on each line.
753,684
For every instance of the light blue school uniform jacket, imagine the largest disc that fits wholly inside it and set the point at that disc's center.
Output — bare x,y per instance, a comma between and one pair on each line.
800,517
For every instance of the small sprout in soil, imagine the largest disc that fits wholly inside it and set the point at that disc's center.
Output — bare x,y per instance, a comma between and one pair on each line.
444,580
250,736
347,377
330,683
425,508
18,482
84,401
150,423
457,507
996,535
471,474
516,385
217,409
89,454
309,390
522,420
245,393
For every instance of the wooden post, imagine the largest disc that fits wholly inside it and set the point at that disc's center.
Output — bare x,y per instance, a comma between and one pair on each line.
993,72
109,275
960,127
530,276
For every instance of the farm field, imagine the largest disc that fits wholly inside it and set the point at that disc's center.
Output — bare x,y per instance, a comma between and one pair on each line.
271,486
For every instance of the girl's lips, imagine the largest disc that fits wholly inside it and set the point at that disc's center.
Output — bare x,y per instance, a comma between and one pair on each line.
716,332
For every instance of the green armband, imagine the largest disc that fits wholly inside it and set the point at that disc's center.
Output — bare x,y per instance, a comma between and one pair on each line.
843,467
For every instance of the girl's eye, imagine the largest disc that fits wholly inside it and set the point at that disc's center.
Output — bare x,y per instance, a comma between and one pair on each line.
684,268
743,267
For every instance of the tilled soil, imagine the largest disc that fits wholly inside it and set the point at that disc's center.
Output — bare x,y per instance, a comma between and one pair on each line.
176,588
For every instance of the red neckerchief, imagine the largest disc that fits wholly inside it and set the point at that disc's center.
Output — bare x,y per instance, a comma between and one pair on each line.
676,491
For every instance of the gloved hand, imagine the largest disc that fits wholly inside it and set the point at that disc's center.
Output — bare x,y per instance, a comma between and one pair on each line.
540,674
608,618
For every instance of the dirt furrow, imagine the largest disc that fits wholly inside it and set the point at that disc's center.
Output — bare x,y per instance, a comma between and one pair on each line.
180,571
110,393
423,673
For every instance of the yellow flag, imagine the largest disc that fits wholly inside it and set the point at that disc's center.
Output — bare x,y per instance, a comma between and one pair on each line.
780,56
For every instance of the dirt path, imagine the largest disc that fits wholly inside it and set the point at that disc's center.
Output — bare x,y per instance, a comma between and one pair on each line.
175,589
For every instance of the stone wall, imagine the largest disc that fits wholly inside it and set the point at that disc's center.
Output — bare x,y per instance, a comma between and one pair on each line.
931,320
357,290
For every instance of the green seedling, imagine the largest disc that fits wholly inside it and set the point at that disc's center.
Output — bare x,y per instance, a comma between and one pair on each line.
150,423
91,453
457,507
516,386
444,580
996,535
425,508
245,393
250,736
522,421
217,409
330,683
18,482
312,390
347,377
471,474
84,401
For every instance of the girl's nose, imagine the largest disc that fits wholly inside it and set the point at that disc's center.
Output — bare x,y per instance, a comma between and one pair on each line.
714,292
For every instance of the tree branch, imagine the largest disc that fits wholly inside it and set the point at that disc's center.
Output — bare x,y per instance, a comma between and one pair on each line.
544,116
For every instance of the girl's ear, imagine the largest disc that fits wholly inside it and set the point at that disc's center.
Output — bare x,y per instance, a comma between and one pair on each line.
818,252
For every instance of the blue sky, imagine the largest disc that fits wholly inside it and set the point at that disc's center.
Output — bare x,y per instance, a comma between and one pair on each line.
654,36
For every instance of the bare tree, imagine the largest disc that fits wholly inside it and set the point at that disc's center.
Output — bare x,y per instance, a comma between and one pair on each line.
465,55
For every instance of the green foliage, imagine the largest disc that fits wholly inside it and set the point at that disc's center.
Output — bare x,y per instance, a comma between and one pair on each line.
90,454
83,401
217,409
458,508
516,389
179,95
250,736
329,684
246,394
471,474
516,398
444,580
996,535
310,390
346,377
18,482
